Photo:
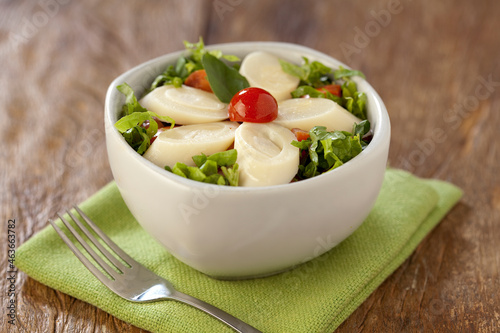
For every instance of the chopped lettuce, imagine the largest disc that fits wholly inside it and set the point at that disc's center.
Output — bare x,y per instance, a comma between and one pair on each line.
314,75
321,152
324,151
313,92
223,158
174,75
131,104
353,100
137,138
138,125
343,73
219,168
185,65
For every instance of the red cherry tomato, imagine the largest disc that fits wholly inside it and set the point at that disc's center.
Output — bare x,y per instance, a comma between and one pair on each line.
253,105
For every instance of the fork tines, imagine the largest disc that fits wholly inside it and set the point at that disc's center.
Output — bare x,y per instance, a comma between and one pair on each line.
112,273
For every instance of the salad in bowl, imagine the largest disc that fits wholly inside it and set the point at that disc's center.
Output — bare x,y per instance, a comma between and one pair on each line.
261,121
240,158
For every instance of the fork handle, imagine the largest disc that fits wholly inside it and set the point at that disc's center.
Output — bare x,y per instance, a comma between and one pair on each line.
217,313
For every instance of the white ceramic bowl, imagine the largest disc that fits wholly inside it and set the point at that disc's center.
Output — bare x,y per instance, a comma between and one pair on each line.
238,232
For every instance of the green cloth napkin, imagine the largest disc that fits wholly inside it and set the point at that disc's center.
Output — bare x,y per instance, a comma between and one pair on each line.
314,297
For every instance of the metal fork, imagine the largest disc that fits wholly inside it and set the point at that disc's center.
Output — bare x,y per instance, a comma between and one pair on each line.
133,282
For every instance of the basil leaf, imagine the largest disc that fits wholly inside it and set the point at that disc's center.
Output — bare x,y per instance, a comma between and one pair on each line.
225,81
185,65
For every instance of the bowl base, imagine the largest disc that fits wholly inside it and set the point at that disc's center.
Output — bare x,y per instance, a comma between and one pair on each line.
249,277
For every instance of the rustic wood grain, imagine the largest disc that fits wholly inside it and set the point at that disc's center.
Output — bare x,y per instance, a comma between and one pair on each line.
427,60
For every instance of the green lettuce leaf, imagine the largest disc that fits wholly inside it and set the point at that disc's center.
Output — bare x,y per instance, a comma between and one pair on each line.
209,167
219,168
307,91
231,174
185,65
302,91
131,104
138,126
324,151
353,100
137,138
361,129
343,73
313,74
174,75
224,158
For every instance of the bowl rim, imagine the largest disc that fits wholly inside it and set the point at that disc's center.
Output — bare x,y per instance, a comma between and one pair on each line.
381,134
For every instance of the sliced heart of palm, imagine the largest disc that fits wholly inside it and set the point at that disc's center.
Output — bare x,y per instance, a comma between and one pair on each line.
305,113
263,70
186,105
265,154
181,143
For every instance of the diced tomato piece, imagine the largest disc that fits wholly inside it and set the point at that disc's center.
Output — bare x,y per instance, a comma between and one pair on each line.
300,134
198,79
334,89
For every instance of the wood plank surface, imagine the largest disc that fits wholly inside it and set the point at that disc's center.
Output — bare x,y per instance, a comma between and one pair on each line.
436,65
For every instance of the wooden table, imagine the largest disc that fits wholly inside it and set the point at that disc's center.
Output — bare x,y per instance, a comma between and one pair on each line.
435,64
